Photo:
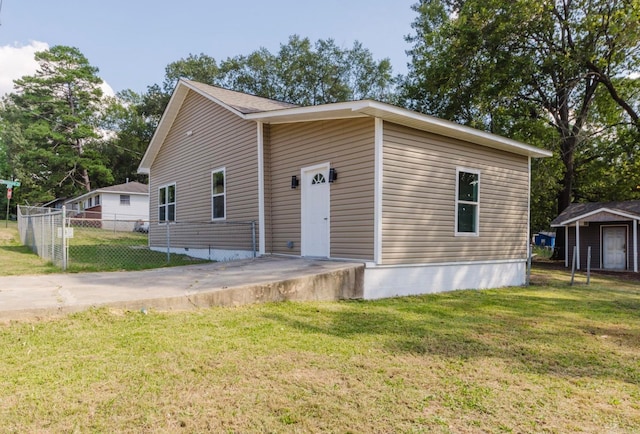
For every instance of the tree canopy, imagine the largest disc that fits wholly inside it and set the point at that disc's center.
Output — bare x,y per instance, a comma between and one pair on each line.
559,74
50,125
554,73
301,72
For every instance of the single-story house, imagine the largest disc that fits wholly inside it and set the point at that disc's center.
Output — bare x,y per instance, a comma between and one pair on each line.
120,207
426,204
609,228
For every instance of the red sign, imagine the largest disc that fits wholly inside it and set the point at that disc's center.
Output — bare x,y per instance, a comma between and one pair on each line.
9,193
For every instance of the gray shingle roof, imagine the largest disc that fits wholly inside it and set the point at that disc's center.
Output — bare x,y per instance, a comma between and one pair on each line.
578,209
239,101
129,187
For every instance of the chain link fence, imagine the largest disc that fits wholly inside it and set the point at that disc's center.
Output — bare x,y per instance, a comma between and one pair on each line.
40,229
83,241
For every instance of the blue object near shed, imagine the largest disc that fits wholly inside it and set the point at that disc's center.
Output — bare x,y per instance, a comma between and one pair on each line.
545,239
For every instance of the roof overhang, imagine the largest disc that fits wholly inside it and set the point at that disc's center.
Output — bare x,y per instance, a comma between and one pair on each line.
390,113
101,191
169,116
342,110
622,214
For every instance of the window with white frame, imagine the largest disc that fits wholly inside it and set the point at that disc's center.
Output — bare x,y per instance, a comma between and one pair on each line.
467,202
167,203
125,199
97,200
218,194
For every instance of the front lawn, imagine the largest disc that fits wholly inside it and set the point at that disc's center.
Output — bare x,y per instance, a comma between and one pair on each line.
547,358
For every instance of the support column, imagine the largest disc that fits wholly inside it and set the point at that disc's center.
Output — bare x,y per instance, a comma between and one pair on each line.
578,244
635,245
566,246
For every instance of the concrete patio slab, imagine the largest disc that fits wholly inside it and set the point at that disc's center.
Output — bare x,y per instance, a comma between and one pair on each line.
234,283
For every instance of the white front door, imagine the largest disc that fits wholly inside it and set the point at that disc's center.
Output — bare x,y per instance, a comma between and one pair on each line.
315,211
614,248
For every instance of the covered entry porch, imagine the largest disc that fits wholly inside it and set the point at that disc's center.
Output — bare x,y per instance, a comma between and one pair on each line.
610,229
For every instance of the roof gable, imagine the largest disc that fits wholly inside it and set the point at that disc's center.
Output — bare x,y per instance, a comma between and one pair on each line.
258,109
626,210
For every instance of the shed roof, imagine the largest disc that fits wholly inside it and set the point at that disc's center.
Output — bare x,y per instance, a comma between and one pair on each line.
258,109
629,209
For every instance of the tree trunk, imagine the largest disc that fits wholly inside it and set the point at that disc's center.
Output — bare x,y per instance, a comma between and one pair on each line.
565,195
85,180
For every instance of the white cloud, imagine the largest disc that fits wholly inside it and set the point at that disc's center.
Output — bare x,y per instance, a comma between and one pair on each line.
18,61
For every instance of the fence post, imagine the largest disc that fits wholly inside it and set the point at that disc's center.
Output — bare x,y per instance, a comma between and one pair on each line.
64,238
588,264
529,253
253,237
41,248
168,239
52,230
573,264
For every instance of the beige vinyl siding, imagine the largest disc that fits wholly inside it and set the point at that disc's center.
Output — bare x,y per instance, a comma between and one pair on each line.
266,138
349,146
419,191
218,139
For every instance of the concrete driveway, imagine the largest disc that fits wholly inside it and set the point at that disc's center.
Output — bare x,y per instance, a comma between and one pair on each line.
234,283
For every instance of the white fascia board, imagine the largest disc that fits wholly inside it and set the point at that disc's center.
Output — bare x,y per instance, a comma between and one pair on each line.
401,116
447,128
169,116
594,212
103,192
83,196
340,110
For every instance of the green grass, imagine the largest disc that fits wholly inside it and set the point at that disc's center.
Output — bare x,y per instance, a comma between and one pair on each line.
17,259
93,249
89,250
542,252
547,358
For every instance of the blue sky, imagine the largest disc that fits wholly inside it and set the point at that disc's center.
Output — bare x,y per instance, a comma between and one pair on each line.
131,42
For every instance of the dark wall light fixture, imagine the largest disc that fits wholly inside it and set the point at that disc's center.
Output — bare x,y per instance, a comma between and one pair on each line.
333,175
294,182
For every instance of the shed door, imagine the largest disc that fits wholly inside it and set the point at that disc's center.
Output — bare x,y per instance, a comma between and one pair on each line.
315,211
614,248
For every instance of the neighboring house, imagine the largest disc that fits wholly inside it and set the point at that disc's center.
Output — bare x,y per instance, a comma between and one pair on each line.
609,228
57,203
117,207
426,204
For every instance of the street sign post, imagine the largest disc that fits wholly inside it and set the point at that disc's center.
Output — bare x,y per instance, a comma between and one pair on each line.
10,185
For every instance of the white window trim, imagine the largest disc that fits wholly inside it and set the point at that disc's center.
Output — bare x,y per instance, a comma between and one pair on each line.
477,204
224,193
175,215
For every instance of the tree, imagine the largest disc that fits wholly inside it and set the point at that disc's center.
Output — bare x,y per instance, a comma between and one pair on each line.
130,130
554,73
306,74
54,116
300,73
